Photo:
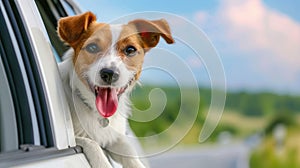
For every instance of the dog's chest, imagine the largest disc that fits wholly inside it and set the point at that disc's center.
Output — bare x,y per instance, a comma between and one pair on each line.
87,123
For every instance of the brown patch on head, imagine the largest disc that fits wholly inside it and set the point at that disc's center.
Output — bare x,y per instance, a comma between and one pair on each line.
93,48
80,32
130,38
151,30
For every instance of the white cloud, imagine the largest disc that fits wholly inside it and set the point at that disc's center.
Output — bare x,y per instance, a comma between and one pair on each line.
268,38
201,17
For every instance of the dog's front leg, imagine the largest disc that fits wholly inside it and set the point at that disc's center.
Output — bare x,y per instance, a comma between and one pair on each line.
93,152
123,153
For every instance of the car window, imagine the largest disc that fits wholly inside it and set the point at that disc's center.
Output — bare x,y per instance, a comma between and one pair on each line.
70,7
51,12
50,16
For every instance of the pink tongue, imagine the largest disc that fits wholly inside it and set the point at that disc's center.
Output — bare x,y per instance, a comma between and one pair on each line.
107,101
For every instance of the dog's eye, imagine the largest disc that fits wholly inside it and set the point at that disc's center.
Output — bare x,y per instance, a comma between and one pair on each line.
130,51
92,48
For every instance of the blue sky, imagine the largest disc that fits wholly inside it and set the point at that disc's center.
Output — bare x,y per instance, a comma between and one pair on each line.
257,40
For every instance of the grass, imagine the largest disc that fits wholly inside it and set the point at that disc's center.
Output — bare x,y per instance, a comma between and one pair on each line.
245,125
288,156
239,125
267,155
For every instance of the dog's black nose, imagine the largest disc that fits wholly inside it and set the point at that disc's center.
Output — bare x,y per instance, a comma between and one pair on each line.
109,76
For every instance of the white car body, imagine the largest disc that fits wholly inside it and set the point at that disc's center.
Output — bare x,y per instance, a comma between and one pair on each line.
63,152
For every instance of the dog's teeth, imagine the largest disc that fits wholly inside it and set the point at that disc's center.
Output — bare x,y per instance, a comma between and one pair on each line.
96,89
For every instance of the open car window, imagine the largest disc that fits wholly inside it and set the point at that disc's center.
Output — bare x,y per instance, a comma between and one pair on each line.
51,12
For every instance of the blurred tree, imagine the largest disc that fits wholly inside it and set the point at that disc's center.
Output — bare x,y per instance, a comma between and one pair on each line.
285,118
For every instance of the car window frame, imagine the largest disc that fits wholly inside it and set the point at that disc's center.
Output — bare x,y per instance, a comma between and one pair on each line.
15,75
41,133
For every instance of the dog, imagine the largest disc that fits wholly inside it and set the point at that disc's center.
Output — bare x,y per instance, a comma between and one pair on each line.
98,73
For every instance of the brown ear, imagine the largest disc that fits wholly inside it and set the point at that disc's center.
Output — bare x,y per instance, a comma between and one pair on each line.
151,30
71,28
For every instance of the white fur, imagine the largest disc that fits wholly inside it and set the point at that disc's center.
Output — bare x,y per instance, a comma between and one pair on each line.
84,113
115,32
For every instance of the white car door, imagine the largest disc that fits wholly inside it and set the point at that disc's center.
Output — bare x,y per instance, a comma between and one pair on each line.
35,123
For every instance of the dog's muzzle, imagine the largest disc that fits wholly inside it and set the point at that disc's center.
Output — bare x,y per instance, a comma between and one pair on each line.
107,96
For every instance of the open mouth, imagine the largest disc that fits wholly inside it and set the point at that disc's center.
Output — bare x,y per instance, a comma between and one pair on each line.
119,91
107,98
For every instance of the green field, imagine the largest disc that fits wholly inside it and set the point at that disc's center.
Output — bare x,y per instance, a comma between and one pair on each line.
245,114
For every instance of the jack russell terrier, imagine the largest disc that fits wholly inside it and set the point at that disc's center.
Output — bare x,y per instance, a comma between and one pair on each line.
98,74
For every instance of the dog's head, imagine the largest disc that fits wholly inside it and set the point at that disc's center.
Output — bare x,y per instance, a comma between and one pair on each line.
108,58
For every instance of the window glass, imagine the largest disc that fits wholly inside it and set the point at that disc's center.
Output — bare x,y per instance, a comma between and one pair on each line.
68,7
49,14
